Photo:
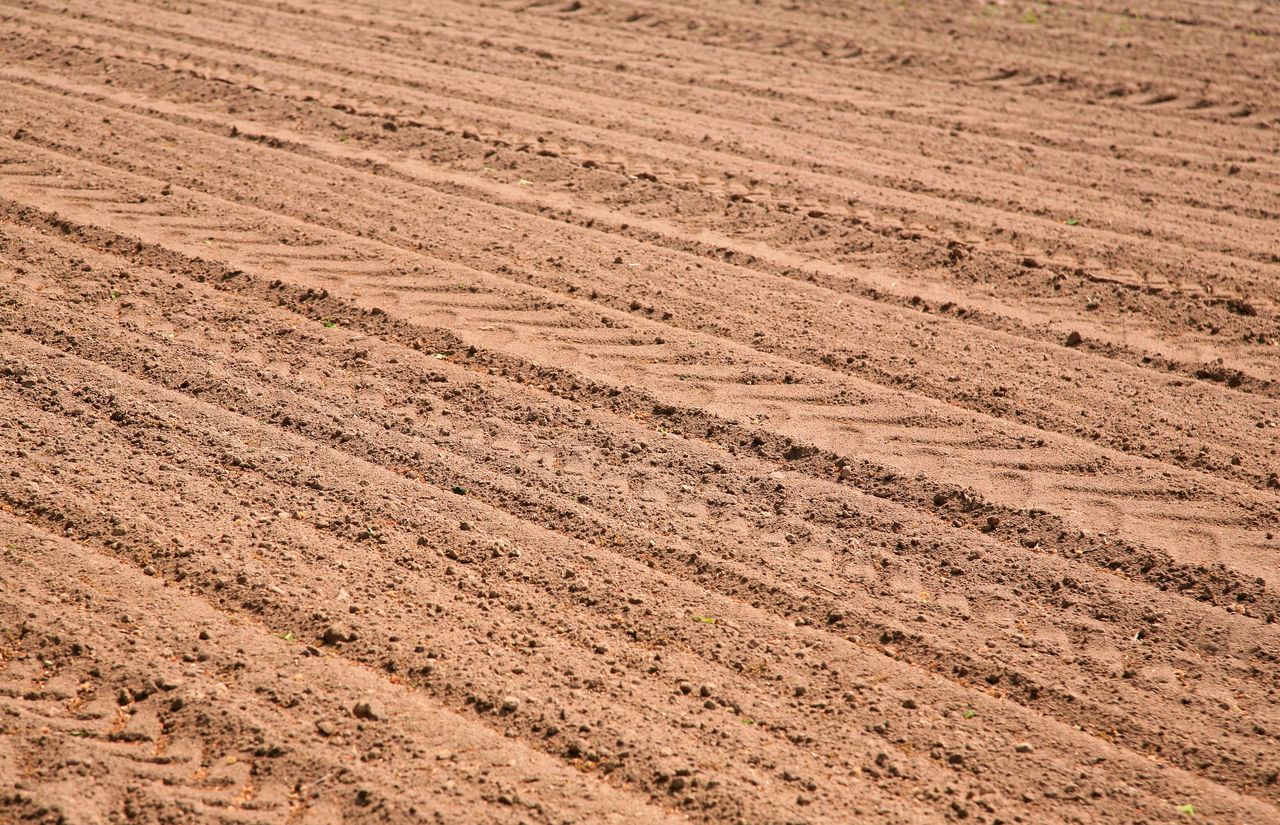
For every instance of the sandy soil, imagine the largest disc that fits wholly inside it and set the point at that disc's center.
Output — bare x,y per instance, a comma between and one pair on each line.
729,412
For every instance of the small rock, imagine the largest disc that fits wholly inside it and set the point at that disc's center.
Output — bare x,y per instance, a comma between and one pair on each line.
1023,747
1074,339
510,704
909,704
677,784
337,633
707,689
148,571
370,709
326,728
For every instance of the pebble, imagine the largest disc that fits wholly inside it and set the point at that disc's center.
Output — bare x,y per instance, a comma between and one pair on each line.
1074,339
1023,747
678,784
707,689
337,633
510,704
326,728
370,709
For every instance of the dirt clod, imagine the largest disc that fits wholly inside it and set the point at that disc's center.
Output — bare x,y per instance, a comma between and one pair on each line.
370,709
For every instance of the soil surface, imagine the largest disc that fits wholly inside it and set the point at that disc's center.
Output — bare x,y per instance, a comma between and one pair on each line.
636,411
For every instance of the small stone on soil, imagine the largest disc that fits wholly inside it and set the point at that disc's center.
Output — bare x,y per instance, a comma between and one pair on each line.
337,633
371,709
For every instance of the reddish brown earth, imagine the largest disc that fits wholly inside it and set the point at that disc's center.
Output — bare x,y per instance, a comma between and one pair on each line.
581,411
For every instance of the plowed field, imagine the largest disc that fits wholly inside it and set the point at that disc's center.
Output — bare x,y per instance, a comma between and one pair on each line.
740,412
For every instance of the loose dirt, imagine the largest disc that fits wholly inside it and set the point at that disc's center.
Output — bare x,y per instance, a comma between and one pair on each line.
571,411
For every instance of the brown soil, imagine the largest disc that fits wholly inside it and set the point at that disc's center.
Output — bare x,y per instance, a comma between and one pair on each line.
581,411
